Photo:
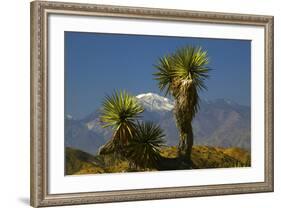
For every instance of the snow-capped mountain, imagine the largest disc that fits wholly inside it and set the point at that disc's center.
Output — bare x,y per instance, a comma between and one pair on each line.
219,122
155,102
68,116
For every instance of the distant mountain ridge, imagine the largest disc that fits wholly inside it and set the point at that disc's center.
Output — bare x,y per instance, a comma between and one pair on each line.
219,122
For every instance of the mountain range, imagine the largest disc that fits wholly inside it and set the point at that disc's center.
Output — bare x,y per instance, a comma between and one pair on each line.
220,123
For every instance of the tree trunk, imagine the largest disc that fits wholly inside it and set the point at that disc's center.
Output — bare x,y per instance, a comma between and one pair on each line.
186,143
189,143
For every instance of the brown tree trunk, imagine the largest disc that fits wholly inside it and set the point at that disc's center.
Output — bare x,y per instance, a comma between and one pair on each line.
186,143
189,143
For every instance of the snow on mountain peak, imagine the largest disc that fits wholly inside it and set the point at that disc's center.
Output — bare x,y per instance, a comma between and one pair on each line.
69,117
154,102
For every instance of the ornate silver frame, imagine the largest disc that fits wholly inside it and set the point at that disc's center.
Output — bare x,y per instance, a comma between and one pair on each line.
39,103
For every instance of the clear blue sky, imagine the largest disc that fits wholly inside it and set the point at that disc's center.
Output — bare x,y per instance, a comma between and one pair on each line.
96,64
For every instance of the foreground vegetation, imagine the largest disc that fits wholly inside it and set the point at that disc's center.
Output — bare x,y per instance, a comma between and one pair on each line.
79,162
182,75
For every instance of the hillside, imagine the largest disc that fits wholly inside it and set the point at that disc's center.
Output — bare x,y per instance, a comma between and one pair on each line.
79,162
76,160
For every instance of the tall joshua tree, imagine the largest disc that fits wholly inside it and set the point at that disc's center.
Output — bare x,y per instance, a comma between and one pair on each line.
119,111
182,75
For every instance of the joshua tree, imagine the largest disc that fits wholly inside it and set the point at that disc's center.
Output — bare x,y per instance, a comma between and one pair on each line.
182,75
119,111
144,148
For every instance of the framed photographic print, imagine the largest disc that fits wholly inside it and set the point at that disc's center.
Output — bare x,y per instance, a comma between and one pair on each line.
144,103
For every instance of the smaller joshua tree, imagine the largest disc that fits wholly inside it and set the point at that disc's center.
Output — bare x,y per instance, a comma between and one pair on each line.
120,112
144,147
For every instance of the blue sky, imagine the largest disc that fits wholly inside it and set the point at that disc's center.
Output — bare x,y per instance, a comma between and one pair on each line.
96,64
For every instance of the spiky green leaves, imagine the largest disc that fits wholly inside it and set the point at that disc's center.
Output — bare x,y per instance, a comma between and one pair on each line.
165,75
120,111
144,147
190,64
139,142
120,108
182,74
187,66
